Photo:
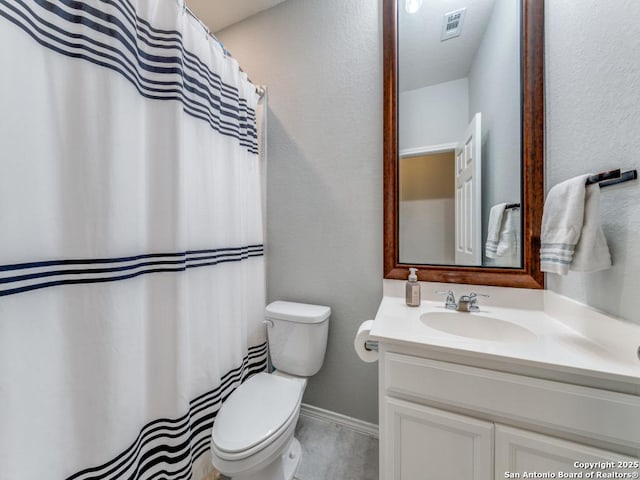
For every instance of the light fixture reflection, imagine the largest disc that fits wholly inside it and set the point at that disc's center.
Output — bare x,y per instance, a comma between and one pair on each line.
412,6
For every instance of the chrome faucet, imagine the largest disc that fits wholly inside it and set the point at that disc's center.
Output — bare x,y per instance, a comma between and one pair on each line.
466,303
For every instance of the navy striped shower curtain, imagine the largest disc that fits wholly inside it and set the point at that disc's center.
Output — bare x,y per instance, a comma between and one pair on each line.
131,249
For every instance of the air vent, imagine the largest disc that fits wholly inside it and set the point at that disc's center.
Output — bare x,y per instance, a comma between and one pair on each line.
452,24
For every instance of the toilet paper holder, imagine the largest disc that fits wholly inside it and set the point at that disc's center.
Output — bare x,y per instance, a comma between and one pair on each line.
366,348
371,345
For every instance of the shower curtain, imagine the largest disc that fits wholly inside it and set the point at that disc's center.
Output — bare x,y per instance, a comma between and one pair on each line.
131,241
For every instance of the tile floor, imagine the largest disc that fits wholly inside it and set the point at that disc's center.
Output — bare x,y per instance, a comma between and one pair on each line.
332,451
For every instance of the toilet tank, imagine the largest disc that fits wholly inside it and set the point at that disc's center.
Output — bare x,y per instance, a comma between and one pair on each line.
297,335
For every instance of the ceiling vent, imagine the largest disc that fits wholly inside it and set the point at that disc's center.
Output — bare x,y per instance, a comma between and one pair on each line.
452,24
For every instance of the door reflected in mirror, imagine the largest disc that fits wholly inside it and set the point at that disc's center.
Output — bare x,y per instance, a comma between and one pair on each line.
459,133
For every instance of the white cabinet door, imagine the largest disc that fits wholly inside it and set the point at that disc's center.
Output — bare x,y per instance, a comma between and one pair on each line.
423,443
519,451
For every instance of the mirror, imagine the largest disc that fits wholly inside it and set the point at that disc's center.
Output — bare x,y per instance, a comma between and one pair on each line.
459,132
463,146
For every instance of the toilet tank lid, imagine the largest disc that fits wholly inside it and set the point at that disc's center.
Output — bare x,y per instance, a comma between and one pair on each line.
297,312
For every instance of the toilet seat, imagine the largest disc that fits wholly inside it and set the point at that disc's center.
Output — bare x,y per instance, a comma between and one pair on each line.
257,412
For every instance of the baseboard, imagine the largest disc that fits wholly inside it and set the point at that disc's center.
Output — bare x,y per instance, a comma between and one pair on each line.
359,426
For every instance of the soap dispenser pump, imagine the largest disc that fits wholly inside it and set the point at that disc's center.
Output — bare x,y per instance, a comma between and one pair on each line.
412,289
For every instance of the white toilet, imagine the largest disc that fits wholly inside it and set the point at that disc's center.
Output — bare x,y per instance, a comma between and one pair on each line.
252,437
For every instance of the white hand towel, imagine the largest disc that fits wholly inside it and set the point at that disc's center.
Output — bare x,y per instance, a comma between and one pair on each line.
570,223
592,252
509,234
493,230
562,220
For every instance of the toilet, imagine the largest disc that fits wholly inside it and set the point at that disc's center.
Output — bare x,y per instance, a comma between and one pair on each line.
252,437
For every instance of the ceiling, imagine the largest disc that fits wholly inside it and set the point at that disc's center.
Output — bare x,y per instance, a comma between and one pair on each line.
423,58
419,42
219,14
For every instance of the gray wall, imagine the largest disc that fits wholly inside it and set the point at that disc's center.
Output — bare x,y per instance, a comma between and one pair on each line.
322,63
494,90
593,124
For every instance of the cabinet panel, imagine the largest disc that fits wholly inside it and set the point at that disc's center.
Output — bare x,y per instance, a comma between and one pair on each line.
608,416
519,451
426,443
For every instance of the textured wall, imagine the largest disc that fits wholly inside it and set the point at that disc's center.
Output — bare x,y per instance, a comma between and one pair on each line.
322,62
593,124
494,90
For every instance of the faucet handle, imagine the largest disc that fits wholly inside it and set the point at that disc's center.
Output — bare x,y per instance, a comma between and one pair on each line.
474,295
450,301
473,301
448,293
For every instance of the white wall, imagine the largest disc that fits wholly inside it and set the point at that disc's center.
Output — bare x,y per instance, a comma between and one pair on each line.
593,124
494,90
322,62
433,115
426,229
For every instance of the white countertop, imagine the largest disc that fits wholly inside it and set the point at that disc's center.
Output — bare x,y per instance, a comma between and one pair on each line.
569,337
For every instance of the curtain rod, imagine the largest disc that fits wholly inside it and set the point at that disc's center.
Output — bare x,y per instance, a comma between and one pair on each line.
259,90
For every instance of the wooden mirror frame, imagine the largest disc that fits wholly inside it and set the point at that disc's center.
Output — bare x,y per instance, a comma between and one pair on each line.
532,187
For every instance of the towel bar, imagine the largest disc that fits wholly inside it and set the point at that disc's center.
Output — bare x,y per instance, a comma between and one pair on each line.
599,177
624,177
612,177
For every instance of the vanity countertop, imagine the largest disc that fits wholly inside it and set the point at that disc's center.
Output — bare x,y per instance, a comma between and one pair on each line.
561,336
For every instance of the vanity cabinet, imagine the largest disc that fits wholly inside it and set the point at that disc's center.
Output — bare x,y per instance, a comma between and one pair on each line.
429,443
442,420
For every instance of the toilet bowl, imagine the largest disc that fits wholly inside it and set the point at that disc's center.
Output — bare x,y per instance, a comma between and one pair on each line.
253,434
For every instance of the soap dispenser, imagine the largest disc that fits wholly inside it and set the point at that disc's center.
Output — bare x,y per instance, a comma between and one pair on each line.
412,289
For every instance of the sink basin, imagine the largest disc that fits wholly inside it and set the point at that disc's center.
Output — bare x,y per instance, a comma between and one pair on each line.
480,327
